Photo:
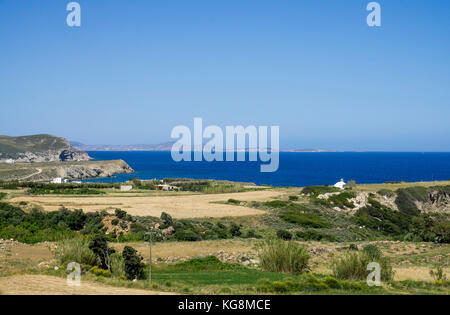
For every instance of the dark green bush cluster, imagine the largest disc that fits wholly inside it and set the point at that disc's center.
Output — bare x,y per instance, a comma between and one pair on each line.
304,218
314,235
78,191
406,198
378,217
315,191
431,227
209,263
2,195
38,226
308,283
340,200
284,235
99,246
407,225
134,268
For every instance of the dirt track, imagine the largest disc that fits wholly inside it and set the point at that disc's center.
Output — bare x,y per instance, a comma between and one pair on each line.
49,285
182,206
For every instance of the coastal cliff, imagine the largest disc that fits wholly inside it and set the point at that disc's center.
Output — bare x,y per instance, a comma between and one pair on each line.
38,148
74,170
45,157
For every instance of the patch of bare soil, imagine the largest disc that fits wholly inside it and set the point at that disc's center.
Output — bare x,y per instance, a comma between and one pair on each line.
50,285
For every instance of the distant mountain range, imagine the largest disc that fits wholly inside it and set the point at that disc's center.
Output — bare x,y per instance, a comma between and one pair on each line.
166,146
136,147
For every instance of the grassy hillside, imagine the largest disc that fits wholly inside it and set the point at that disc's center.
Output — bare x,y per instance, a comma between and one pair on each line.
35,143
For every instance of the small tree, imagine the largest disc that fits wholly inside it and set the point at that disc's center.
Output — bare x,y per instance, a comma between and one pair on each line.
167,219
99,245
134,268
235,229
120,214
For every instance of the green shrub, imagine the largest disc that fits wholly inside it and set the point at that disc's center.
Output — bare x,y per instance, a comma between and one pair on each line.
2,195
134,268
372,251
305,219
332,282
319,190
406,198
280,287
293,198
209,263
234,202
115,222
120,214
100,272
99,245
167,219
235,229
284,235
439,273
75,250
187,235
353,266
313,235
281,256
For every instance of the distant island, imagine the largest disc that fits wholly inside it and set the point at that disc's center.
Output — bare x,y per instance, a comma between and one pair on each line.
162,147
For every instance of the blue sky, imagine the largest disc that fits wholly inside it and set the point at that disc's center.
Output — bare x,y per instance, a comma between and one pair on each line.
137,68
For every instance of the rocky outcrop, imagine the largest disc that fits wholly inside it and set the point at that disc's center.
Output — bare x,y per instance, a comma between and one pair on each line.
38,148
438,201
97,169
47,156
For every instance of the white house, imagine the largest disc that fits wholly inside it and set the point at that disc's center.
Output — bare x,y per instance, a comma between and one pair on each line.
126,187
341,184
59,180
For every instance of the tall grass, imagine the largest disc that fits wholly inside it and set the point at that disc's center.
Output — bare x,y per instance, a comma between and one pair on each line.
75,250
282,256
353,265
117,265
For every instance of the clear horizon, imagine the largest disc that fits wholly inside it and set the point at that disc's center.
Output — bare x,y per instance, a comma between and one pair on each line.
134,70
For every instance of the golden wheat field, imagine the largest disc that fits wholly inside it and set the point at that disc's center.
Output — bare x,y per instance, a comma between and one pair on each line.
180,206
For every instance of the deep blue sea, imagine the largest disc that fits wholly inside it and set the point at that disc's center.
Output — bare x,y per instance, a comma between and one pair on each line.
296,169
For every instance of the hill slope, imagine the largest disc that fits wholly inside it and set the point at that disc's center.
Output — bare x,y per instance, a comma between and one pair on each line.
38,148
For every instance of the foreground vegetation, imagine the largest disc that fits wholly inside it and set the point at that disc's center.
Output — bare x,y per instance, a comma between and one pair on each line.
285,263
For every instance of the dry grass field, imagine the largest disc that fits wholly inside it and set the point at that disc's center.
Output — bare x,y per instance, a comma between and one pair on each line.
180,206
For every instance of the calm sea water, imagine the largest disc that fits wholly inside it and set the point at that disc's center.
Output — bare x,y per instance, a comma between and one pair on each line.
296,169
